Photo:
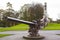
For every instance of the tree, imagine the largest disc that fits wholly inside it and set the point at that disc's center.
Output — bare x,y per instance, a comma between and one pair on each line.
16,15
34,12
9,5
9,13
24,12
1,14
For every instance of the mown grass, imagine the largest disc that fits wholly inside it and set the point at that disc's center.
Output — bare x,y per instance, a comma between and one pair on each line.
3,35
52,26
15,28
20,27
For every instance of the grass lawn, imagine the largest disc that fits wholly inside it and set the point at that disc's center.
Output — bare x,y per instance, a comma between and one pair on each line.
3,35
15,28
52,26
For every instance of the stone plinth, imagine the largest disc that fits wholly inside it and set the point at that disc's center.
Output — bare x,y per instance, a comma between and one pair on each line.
35,38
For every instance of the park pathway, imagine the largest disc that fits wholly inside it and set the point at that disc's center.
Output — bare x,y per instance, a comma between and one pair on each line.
18,35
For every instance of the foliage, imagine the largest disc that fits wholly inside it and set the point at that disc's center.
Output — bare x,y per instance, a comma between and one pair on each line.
50,19
2,24
58,20
10,14
33,12
24,12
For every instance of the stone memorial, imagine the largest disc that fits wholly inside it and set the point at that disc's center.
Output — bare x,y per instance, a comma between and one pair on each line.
34,27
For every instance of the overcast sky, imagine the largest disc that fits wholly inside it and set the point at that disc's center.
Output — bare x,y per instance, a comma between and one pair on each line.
53,6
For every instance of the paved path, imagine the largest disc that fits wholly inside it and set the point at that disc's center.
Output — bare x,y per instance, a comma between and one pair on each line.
18,35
